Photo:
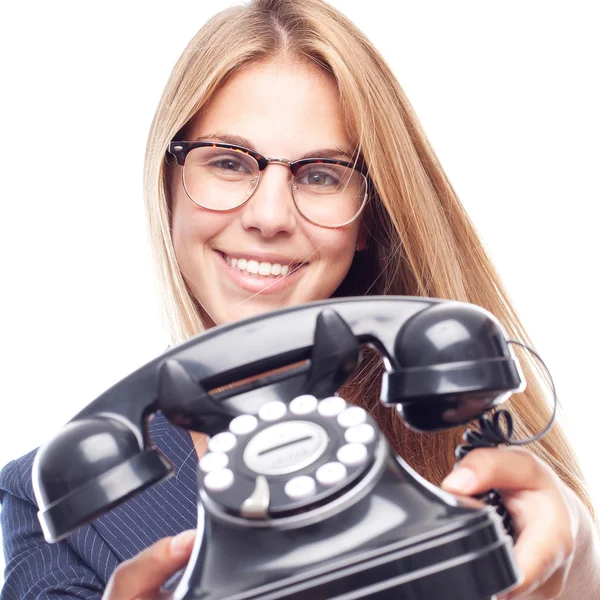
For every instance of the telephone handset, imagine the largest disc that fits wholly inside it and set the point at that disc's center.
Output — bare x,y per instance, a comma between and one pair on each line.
298,488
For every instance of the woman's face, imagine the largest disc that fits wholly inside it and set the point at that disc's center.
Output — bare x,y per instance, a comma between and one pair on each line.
282,110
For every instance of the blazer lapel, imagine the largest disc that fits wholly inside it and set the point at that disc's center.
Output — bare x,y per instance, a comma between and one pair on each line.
163,510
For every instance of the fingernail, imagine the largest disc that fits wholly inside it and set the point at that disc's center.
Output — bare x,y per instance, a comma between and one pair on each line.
461,480
180,543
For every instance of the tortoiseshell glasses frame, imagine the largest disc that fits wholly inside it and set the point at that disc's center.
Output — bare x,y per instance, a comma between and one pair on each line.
360,181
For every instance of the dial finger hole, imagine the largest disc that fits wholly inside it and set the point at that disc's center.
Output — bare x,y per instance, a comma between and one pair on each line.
302,486
272,411
213,461
243,424
222,442
360,434
219,481
303,405
353,415
332,406
352,455
331,473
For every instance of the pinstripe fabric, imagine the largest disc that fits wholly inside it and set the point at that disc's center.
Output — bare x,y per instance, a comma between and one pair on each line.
79,566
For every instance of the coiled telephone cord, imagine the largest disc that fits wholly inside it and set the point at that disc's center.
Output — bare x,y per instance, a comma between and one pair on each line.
492,433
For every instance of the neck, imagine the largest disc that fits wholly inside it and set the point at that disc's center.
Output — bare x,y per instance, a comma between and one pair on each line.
200,442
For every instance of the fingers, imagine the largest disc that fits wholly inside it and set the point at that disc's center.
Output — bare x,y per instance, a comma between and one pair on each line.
536,500
142,576
544,562
501,468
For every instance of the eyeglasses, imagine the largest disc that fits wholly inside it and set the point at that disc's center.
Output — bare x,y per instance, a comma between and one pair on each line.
222,177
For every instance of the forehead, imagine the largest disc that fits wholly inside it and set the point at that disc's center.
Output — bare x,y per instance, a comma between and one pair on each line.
283,107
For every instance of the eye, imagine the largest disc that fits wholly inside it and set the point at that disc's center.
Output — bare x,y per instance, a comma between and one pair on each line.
229,163
317,176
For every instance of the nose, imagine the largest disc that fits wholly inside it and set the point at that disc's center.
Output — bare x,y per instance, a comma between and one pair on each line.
271,210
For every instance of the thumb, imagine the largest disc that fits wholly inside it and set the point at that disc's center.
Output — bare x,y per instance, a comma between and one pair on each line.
144,574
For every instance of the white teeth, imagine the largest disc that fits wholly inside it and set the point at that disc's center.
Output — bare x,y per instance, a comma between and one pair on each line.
264,268
253,266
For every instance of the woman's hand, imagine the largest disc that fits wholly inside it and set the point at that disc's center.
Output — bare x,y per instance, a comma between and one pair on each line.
141,577
555,548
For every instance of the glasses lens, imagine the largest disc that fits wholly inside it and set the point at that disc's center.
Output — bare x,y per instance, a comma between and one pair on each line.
218,178
329,195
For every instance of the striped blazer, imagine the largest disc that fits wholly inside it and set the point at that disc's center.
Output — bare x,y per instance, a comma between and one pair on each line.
80,565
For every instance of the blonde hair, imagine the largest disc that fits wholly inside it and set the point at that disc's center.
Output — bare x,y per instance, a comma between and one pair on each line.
421,242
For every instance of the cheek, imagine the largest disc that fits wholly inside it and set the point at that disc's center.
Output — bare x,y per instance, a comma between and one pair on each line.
183,230
191,228
336,249
334,242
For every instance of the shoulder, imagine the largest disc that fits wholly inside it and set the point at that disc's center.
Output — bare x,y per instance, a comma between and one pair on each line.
15,478
77,566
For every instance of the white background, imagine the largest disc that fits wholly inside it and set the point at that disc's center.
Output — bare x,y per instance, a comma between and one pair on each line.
508,94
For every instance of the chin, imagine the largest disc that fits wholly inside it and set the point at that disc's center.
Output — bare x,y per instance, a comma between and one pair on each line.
249,309
239,313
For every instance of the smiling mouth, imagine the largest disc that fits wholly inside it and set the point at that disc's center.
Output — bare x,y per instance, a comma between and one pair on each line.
262,268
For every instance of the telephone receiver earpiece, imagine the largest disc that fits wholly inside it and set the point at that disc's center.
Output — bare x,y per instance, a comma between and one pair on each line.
92,465
454,364
446,363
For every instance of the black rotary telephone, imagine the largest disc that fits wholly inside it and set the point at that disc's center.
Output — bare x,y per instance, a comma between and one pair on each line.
301,495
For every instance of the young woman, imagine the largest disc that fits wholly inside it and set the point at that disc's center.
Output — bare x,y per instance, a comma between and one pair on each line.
238,227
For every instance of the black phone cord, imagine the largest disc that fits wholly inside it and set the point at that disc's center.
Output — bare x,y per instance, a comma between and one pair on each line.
492,433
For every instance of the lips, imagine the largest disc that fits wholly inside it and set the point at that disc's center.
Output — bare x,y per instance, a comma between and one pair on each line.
258,274
265,267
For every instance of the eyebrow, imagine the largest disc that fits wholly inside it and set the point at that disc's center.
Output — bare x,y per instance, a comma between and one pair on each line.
238,140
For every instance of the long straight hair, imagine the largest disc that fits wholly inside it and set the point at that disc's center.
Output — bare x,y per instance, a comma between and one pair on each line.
421,241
